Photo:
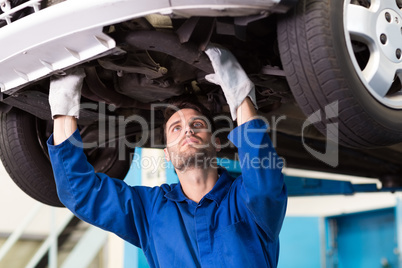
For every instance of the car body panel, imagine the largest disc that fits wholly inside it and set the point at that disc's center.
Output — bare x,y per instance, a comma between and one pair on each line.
71,32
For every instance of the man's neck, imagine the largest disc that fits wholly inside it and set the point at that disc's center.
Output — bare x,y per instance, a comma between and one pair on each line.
197,182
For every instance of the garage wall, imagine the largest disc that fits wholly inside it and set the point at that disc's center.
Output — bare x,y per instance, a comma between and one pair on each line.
325,206
301,243
365,239
15,205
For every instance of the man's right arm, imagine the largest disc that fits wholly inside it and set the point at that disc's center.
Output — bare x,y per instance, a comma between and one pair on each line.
96,198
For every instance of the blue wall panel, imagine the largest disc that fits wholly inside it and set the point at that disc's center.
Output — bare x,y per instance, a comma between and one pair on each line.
366,239
300,243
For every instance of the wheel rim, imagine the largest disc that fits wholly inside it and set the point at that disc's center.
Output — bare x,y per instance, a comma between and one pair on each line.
373,32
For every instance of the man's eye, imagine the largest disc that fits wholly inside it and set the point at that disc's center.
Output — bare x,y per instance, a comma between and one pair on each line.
176,128
198,124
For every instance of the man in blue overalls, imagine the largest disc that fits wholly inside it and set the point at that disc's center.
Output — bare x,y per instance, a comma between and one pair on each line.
208,219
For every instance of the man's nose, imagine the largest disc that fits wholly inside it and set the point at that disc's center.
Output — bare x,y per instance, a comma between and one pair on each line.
189,130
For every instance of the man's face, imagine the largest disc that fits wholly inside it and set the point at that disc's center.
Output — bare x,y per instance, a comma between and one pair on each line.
189,141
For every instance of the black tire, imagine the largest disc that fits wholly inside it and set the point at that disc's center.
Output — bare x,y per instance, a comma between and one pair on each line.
320,71
24,155
24,159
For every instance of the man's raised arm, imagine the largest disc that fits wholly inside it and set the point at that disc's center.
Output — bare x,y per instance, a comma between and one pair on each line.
93,197
263,185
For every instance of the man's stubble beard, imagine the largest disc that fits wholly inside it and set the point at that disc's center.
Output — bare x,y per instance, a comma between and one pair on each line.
199,158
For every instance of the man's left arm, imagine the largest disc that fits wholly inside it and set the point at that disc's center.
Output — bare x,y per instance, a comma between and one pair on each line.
265,191
263,185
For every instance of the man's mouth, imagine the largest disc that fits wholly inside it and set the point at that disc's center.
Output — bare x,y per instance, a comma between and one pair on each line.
190,140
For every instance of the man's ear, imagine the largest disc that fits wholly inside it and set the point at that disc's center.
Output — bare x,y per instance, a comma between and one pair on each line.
217,144
167,157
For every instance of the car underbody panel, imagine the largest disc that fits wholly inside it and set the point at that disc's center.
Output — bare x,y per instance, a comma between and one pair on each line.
71,32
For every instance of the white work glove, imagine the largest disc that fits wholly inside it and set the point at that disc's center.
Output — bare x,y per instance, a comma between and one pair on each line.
231,77
65,93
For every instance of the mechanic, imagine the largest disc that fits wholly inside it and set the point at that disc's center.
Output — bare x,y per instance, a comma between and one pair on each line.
208,219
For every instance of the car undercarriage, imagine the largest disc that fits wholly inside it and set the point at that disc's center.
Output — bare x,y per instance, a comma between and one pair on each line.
134,61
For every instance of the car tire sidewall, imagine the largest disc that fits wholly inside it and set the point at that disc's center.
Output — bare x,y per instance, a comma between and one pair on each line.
25,159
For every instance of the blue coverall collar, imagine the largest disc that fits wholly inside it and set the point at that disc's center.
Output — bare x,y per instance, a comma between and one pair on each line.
217,193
